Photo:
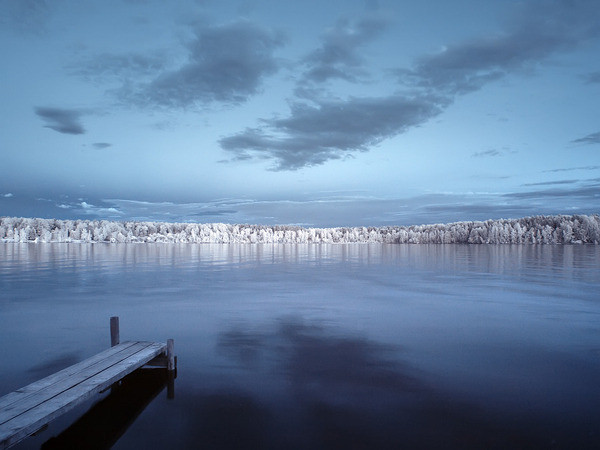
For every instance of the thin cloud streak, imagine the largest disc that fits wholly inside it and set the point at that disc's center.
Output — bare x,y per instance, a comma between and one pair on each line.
492,152
570,169
549,183
101,145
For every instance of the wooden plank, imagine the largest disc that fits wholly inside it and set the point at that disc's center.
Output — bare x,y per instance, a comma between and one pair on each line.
8,399
29,421
51,386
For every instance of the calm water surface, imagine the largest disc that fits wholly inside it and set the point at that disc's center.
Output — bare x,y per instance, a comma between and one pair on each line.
316,346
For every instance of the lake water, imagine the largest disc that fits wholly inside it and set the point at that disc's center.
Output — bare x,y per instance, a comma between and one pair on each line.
317,346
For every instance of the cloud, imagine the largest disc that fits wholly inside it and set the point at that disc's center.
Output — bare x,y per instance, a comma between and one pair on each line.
592,77
25,16
64,121
333,129
312,135
590,192
101,145
8,195
338,56
570,169
549,183
126,67
100,211
226,63
314,360
492,152
545,28
593,138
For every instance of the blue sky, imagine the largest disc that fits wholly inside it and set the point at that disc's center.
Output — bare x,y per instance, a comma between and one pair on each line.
322,113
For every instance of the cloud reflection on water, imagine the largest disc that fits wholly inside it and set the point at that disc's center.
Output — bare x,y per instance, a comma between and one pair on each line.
353,392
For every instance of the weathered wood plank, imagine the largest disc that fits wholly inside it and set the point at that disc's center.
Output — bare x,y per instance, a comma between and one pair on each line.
8,399
51,386
33,418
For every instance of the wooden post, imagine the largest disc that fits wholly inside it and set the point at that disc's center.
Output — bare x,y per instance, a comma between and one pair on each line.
171,384
114,331
170,355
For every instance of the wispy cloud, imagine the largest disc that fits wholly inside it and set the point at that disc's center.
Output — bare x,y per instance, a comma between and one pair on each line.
593,138
8,195
124,68
26,16
339,54
66,121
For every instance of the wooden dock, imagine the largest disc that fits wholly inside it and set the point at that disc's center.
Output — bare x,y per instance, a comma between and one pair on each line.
27,410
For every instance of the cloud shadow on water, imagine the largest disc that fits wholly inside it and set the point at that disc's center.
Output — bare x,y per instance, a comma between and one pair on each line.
347,391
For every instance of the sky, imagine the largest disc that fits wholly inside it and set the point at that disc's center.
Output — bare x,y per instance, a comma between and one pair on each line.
314,113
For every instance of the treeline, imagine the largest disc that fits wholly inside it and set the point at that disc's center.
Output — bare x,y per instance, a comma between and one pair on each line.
559,229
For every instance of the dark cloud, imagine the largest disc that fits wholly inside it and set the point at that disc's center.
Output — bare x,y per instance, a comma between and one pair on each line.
312,135
339,56
226,64
545,28
549,183
62,120
101,145
593,138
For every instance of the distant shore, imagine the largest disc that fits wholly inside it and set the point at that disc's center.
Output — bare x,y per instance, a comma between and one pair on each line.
556,229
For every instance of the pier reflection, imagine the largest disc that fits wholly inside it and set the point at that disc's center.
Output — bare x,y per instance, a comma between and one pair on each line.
106,421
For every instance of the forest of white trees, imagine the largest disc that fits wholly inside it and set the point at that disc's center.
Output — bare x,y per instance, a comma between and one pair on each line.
559,229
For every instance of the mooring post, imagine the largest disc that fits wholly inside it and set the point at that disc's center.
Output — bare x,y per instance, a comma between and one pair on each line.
170,355
171,384
114,331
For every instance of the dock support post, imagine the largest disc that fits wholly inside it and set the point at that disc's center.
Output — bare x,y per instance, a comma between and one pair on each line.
170,385
170,355
114,331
